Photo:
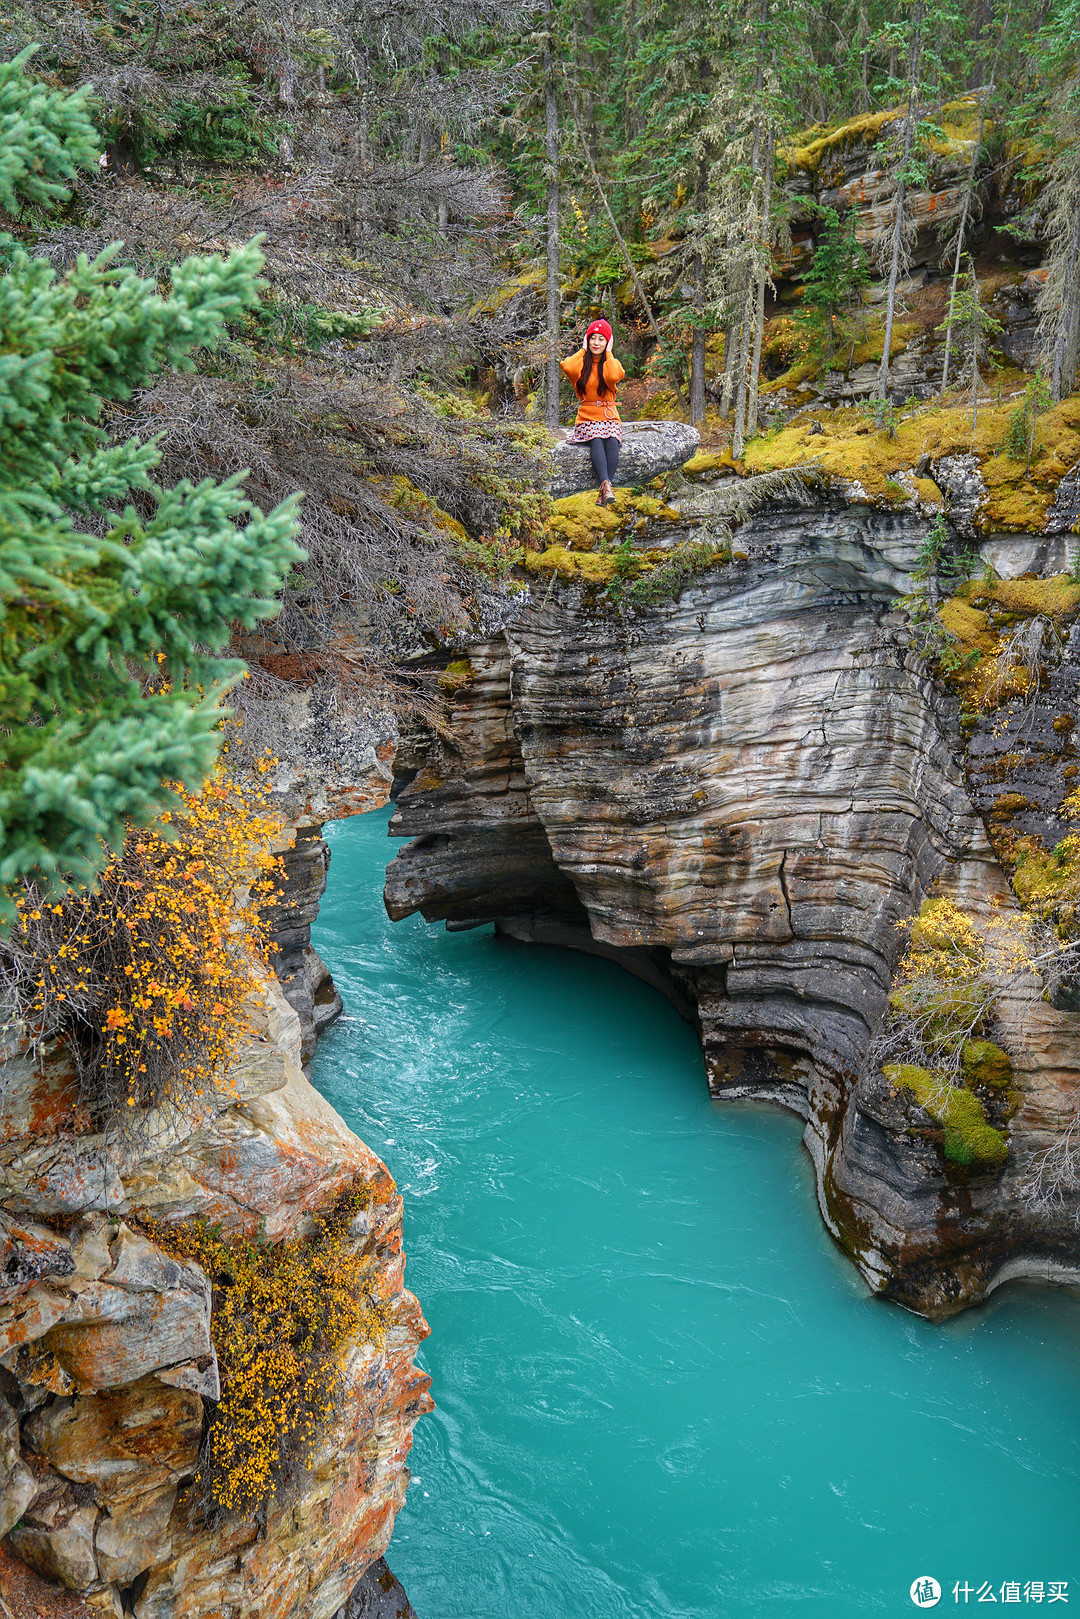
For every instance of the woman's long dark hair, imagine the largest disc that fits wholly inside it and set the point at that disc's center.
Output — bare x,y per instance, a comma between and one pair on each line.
586,372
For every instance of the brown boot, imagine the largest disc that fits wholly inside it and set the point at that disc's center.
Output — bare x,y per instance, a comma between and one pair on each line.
607,493
600,499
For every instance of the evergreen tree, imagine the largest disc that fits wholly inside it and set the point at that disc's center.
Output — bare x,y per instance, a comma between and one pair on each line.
109,615
895,246
970,326
834,282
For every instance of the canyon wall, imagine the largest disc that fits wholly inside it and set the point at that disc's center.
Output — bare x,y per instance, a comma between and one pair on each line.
739,794
106,1356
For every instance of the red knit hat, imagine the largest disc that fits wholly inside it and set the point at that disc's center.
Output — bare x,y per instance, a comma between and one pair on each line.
599,326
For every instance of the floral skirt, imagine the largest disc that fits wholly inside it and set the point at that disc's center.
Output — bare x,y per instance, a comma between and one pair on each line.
584,431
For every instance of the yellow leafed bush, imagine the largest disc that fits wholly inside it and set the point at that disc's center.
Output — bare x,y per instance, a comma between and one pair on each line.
281,1314
147,975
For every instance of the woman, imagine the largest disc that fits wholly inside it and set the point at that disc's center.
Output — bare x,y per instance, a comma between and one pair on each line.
596,373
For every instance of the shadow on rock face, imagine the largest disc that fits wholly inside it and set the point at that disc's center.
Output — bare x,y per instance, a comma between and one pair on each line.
379,1595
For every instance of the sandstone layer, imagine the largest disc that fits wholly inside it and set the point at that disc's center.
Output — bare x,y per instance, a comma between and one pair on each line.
739,794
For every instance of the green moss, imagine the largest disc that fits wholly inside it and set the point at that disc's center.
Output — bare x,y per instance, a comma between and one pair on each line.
984,1063
580,524
706,461
597,568
848,447
455,675
967,1137
494,301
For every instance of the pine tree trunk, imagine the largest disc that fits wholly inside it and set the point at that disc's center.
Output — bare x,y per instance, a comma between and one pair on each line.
960,245
900,204
894,270
1064,344
697,347
738,437
590,100
731,343
551,153
968,196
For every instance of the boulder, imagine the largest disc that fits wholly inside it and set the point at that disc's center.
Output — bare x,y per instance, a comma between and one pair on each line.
649,448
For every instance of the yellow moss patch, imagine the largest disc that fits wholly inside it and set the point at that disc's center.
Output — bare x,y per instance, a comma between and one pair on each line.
970,625
494,301
791,378
578,522
406,497
1056,597
984,681
595,567
929,493
807,154
847,448
806,150
455,675
708,461
1047,881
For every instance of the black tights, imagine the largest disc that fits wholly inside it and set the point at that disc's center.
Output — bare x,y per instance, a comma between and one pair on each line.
605,458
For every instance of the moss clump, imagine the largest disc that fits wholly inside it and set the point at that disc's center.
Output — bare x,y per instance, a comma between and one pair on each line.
578,522
1055,597
706,461
455,675
984,1063
404,496
967,1137
976,617
847,447
598,568
494,301
1047,881
806,153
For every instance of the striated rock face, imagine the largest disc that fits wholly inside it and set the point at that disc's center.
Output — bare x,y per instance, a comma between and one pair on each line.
649,448
107,1361
304,976
739,794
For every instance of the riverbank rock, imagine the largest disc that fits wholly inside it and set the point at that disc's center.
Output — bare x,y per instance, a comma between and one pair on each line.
739,792
107,1360
649,449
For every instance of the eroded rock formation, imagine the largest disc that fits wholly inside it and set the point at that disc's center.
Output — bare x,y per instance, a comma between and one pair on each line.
739,794
107,1359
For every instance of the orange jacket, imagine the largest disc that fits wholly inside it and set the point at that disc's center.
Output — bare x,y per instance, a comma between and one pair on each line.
592,409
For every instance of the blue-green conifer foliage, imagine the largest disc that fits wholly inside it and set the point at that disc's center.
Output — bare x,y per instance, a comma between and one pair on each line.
87,623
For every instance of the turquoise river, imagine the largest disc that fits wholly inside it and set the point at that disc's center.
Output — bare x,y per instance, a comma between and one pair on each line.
662,1392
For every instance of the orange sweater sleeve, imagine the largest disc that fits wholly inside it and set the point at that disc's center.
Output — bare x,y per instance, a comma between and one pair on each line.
573,365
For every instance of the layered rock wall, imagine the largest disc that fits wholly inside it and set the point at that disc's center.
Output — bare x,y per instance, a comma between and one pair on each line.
740,793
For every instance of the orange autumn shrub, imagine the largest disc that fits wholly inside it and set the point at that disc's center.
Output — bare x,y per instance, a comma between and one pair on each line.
147,974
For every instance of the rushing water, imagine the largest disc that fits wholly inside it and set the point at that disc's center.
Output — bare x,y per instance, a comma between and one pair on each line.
661,1390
